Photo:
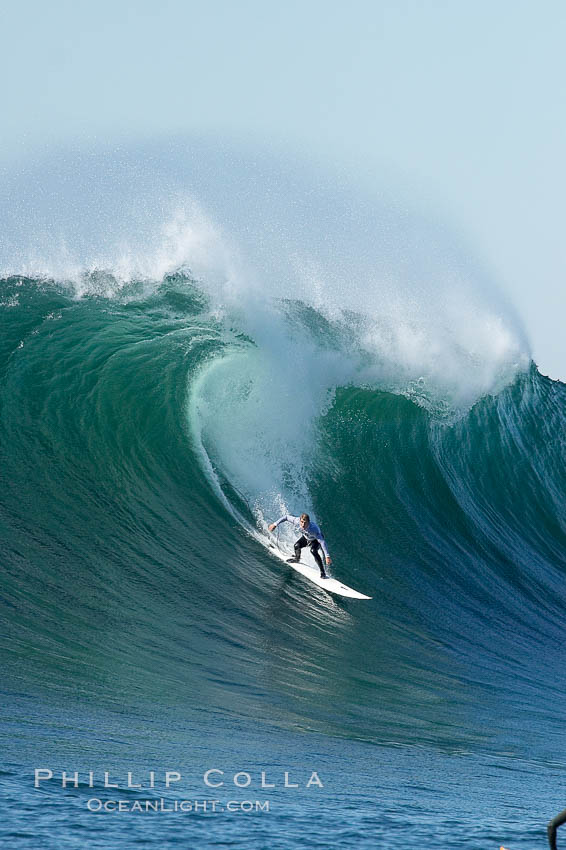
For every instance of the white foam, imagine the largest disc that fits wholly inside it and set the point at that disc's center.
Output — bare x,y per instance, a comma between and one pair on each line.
407,310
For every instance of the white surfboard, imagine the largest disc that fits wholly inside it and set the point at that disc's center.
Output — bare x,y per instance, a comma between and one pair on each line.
332,585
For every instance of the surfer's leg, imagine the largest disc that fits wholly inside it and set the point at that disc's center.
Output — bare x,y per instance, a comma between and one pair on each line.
553,826
315,547
300,544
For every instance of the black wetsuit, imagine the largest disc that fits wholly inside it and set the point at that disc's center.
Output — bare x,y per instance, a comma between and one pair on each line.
314,546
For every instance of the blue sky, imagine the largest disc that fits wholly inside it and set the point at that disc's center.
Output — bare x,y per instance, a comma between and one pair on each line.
459,104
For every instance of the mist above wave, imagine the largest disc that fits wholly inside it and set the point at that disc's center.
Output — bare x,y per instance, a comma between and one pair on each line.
411,310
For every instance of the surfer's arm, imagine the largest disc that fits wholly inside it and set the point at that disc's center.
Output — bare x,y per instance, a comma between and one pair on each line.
286,518
322,542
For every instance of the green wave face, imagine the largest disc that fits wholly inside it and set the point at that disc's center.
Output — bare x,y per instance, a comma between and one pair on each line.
149,432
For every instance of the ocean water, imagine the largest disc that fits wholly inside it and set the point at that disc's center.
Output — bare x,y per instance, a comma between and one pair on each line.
170,388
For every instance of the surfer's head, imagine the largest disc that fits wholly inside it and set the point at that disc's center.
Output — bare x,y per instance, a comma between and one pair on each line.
305,520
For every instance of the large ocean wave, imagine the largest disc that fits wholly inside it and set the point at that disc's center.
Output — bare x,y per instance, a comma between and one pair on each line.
146,438
179,367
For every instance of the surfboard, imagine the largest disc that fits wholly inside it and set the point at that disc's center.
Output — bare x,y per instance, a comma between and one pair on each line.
312,573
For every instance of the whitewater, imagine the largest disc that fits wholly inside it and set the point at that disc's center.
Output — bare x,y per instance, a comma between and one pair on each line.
193,342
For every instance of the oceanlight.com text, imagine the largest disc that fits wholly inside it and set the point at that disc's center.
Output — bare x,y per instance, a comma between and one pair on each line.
169,806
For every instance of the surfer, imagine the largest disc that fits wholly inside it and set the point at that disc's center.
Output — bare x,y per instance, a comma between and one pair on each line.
311,536
553,826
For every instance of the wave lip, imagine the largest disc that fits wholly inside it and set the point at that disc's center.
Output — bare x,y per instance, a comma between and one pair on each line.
253,230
